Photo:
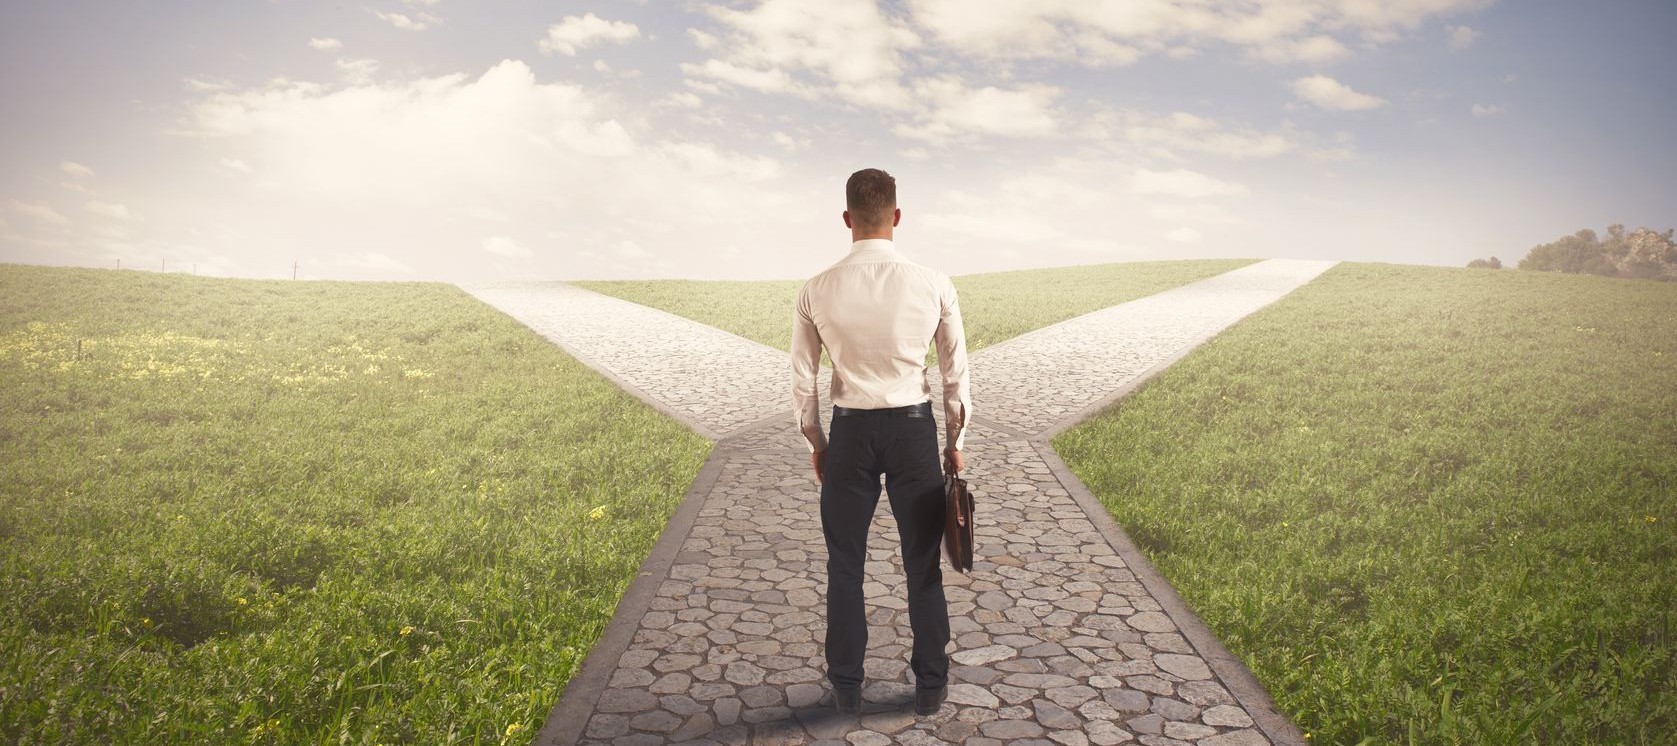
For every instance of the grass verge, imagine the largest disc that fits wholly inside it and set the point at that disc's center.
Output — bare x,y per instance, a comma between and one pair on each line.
1424,505
995,306
279,512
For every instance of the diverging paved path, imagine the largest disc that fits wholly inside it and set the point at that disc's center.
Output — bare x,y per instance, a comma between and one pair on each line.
1063,632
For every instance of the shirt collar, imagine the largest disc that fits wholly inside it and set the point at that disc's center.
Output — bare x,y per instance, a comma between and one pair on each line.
873,244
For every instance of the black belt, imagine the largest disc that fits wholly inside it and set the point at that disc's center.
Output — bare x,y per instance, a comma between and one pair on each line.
923,409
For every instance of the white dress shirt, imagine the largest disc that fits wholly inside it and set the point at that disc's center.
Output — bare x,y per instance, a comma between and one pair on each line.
877,312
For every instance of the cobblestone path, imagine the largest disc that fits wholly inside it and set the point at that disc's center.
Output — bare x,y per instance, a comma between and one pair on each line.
1063,633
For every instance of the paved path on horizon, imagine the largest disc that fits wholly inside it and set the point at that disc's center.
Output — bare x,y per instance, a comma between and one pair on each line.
1063,633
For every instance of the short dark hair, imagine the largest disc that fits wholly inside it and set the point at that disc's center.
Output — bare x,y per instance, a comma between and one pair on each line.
871,198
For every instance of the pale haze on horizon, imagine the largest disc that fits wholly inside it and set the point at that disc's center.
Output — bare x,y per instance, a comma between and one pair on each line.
444,140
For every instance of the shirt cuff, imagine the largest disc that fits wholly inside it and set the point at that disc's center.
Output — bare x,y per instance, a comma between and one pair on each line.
955,433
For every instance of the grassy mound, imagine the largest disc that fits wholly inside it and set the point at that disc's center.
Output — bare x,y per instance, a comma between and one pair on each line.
282,512
1425,505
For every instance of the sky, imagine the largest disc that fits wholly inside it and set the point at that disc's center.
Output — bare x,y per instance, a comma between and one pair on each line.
549,139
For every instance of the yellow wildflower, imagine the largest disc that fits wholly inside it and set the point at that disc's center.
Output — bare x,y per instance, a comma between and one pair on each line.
242,601
1651,519
514,728
408,630
597,513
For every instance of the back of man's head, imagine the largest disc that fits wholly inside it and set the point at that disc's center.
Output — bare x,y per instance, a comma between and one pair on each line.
871,198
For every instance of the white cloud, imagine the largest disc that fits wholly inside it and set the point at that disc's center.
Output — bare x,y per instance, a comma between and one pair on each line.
789,143
1070,208
1487,110
705,160
953,110
847,49
703,39
1319,48
109,210
392,166
235,164
358,70
685,99
417,22
37,210
1182,182
327,43
504,246
198,84
1171,135
1328,93
573,33
769,80
75,170
1121,32
1462,37
1333,154
1183,235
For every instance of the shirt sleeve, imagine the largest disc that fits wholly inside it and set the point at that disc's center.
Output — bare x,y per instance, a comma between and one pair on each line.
806,366
951,338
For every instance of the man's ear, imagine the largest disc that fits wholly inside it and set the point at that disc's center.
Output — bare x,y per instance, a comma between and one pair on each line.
847,219
896,217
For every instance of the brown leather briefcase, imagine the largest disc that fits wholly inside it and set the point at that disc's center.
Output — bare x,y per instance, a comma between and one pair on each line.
957,529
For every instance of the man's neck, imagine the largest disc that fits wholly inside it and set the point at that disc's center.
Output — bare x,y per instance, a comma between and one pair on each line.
856,235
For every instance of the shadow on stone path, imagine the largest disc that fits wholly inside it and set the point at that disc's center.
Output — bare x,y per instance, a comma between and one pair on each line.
1062,634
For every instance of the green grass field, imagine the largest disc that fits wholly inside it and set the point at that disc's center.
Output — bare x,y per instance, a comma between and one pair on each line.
277,512
995,306
1425,505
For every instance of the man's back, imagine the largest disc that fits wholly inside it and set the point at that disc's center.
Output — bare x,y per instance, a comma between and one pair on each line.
877,312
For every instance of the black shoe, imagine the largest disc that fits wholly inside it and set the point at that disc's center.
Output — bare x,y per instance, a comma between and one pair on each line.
929,701
847,701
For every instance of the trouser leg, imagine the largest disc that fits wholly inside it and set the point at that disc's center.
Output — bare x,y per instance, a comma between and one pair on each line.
849,494
914,480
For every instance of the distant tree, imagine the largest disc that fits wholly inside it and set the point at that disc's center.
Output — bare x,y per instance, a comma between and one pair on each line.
1642,253
1491,263
1650,255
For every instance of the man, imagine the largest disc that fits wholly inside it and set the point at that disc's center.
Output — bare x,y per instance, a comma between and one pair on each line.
876,312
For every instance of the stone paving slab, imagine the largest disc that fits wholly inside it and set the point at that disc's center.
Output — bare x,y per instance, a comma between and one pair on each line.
1054,375
1054,636
713,381
1062,634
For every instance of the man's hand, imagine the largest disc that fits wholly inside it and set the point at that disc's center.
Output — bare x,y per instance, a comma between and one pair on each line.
953,461
818,459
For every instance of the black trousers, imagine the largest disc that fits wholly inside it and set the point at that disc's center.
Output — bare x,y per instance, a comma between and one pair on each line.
905,449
